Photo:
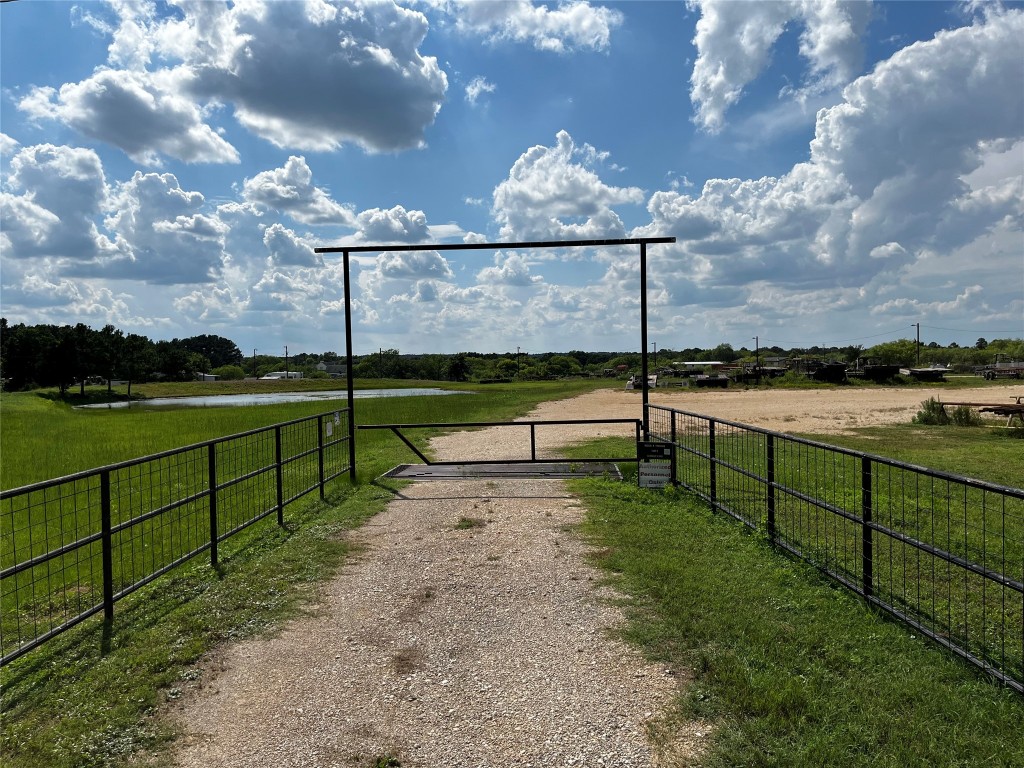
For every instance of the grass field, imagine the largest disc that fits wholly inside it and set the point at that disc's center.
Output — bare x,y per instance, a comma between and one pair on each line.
788,670
784,669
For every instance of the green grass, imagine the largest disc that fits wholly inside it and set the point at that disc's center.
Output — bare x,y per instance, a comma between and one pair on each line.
793,672
89,698
790,671
983,453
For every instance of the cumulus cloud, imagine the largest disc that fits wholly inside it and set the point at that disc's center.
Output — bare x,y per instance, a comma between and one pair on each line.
511,269
310,76
290,190
145,115
901,168
734,42
554,192
171,239
363,78
570,26
287,248
412,265
54,195
395,225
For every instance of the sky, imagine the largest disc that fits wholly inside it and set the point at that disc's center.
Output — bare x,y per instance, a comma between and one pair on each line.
833,172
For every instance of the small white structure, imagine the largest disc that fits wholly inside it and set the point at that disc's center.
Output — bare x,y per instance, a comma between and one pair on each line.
283,375
206,377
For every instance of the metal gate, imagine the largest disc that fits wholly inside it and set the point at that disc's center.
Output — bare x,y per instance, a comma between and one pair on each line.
533,467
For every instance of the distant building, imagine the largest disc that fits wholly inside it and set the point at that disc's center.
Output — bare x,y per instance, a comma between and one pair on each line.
283,375
206,377
335,371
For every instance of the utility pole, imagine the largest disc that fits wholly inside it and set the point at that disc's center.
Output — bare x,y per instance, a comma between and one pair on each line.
918,326
286,362
380,362
517,361
757,358
655,345
254,364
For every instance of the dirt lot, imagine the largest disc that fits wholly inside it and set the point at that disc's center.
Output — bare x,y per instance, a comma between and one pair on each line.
818,411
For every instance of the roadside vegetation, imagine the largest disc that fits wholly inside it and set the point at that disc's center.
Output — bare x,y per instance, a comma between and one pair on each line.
787,669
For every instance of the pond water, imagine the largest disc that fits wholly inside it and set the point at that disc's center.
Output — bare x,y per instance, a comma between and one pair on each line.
268,398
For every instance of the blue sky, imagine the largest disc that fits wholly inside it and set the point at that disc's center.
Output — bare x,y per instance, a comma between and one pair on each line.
833,172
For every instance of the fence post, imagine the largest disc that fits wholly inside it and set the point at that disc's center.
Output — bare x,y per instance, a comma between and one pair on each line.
320,451
771,487
107,545
211,460
713,466
533,441
866,506
672,463
280,475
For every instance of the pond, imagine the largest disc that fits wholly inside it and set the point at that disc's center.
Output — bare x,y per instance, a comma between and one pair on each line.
269,398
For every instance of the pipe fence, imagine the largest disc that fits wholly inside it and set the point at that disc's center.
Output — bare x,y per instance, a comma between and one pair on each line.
941,553
73,546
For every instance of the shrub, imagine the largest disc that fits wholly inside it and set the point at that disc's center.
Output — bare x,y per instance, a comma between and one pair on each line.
963,416
932,413
229,372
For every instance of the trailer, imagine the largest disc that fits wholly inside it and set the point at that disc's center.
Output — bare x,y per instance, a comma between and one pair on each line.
1001,368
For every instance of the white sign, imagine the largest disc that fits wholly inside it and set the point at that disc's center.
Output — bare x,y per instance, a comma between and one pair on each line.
654,474
330,429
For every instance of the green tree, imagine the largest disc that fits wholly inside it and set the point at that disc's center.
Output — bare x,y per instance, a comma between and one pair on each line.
458,368
138,359
217,349
229,372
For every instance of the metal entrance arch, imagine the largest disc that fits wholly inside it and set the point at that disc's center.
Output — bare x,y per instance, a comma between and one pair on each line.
346,250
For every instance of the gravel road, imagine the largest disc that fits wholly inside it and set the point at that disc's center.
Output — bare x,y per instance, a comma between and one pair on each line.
484,645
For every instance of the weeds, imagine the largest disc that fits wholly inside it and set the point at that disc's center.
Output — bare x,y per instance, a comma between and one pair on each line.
933,413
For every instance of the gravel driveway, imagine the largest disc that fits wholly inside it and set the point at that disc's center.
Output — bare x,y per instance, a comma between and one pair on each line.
484,645
470,631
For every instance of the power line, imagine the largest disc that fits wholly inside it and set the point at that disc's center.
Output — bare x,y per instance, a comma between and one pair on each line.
961,330
836,341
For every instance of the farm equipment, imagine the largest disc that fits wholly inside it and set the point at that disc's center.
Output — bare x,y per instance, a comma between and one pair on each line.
1002,367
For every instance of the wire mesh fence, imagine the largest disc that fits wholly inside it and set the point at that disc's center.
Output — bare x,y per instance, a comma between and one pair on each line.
942,553
72,546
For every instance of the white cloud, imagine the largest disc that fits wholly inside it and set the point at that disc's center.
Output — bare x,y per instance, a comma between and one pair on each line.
7,144
411,265
570,26
311,76
885,183
478,86
287,248
395,225
63,190
290,190
509,269
363,79
734,41
171,240
553,192
143,114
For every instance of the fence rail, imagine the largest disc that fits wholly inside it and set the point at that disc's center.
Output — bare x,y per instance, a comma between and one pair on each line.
71,547
940,552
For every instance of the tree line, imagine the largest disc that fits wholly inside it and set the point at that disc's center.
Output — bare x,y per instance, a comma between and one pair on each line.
65,356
